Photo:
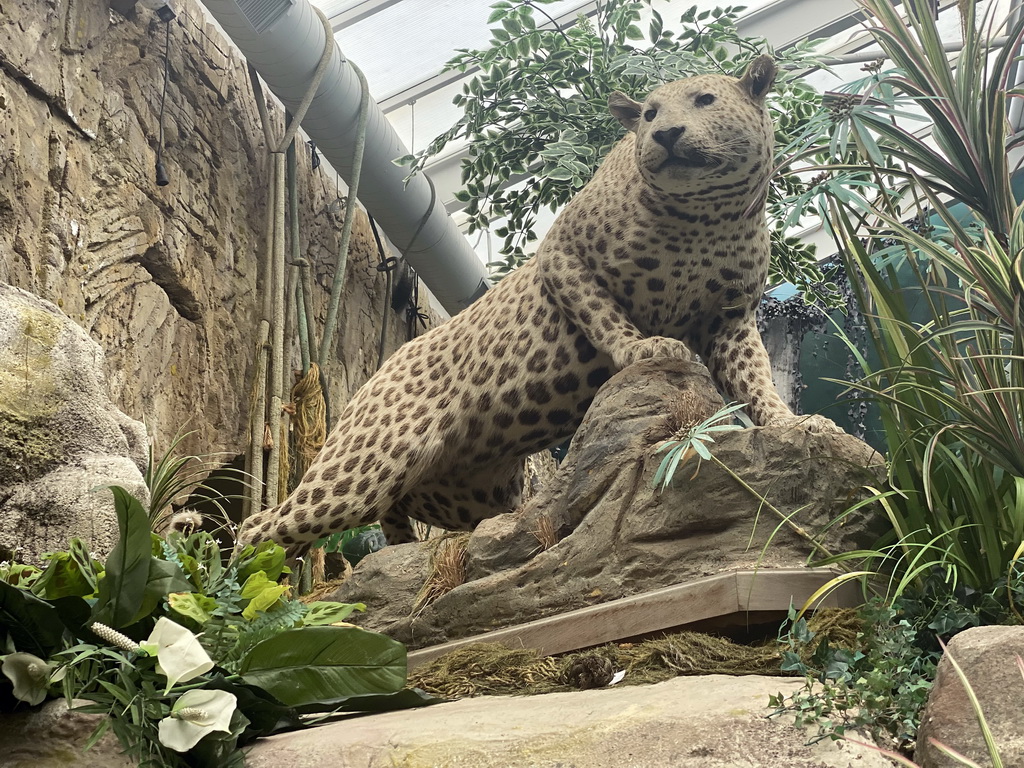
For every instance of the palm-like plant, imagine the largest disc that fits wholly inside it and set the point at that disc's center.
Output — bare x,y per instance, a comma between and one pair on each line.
950,390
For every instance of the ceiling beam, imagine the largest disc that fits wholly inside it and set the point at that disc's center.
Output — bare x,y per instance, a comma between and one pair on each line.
356,13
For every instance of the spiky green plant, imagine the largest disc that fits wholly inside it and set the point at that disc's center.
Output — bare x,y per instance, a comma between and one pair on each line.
950,389
171,477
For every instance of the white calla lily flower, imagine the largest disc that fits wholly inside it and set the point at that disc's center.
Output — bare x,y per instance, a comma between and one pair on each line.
30,674
195,714
179,655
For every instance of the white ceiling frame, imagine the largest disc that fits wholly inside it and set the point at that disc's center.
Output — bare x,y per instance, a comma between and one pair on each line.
782,23
359,11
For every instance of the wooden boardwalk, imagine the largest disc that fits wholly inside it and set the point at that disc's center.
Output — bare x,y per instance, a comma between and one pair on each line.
728,599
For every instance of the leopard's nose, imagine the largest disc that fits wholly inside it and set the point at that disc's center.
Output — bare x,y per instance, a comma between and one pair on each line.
667,137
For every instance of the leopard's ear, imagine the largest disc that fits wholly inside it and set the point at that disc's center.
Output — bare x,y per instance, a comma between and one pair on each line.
758,78
624,109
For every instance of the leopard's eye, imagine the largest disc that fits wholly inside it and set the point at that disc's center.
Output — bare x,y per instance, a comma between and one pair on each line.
705,100
650,114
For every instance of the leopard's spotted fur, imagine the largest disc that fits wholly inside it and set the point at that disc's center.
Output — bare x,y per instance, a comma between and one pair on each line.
664,251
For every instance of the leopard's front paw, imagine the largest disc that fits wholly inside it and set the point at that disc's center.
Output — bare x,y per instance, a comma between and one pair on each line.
812,423
652,346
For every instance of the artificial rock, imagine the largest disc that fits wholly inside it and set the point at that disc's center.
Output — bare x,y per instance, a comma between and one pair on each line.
617,535
51,736
990,658
710,721
62,441
167,279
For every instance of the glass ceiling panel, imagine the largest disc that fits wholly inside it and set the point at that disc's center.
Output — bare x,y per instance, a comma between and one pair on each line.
405,43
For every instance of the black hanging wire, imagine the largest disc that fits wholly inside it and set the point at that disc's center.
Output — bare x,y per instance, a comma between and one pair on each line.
414,313
387,265
161,173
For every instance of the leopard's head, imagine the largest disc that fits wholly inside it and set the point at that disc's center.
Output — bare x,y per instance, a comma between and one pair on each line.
704,129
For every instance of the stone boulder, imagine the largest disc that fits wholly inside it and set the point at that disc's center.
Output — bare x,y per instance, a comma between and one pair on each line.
711,721
989,658
51,736
62,441
600,530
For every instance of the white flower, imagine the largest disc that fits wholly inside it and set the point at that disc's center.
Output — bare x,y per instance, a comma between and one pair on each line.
195,714
30,675
179,655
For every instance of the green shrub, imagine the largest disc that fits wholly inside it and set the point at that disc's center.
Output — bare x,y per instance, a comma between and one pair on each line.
191,653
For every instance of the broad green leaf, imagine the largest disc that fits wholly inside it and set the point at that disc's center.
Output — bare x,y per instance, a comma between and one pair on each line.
262,594
406,698
33,625
324,612
71,573
20,575
268,557
195,606
127,570
310,664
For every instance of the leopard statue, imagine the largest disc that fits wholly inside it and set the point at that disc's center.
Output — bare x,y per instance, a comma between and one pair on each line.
663,253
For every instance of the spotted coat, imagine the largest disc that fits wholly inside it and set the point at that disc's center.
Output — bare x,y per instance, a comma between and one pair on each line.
665,251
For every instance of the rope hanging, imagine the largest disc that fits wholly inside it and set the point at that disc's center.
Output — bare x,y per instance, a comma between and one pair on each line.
309,424
274,289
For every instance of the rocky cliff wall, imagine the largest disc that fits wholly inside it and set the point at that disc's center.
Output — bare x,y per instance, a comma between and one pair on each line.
166,279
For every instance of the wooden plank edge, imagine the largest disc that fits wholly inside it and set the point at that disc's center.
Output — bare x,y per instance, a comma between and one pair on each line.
668,607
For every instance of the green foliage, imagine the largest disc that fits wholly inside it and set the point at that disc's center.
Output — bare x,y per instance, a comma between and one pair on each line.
18,574
950,388
537,112
127,571
881,688
74,572
214,623
882,684
171,477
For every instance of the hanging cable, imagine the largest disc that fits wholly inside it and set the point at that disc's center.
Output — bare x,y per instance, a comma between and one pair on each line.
387,265
161,173
327,341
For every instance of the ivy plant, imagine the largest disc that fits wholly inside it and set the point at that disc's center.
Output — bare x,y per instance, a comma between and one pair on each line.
536,116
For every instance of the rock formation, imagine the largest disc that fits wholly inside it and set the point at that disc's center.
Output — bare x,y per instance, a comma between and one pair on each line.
610,533
990,658
62,441
710,721
165,279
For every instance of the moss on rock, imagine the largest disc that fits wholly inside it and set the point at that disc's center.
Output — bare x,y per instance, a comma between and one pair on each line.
29,448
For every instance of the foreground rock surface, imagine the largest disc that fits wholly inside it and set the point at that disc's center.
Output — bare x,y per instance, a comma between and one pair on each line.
617,535
62,441
988,657
689,722
53,737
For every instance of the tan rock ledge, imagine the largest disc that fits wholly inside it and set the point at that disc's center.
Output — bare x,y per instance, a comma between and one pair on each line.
712,721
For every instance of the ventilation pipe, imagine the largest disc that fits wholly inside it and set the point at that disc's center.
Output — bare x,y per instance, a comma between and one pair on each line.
284,40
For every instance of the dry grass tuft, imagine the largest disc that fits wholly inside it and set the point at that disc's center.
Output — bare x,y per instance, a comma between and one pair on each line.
447,569
545,533
491,668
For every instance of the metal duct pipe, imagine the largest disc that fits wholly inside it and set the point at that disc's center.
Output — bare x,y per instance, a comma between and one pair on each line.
283,40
